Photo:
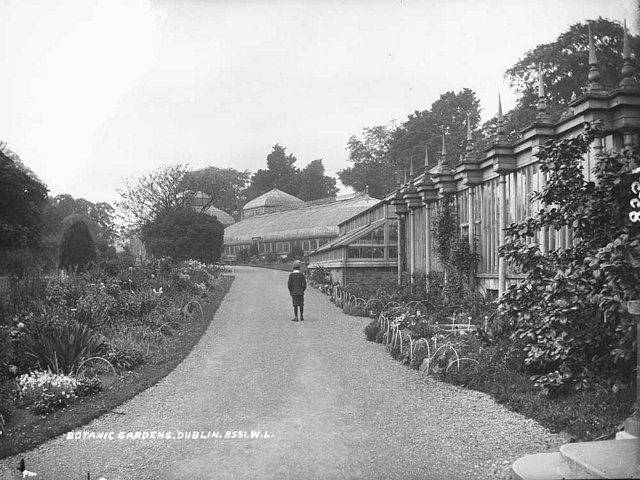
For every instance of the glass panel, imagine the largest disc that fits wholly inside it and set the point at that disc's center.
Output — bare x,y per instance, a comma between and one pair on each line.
365,252
393,232
354,252
393,253
377,236
377,252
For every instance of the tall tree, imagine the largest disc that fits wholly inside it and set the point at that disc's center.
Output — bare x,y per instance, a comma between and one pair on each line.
370,169
565,66
281,173
314,184
99,217
153,194
384,149
225,187
22,199
448,115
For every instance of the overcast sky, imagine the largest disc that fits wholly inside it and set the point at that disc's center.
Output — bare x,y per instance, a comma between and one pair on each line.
92,93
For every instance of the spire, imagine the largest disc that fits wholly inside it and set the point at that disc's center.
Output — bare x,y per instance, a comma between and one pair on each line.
627,66
594,72
398,178
542,100
469,146
443,154
404,171
411,168
501,131
426,157
540,82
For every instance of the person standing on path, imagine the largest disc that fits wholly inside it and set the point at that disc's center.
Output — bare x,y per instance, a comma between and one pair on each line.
297,285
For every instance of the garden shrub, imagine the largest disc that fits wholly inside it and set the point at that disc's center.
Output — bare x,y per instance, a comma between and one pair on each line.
296,253
570,309
77,250
88,386
371,330
184,234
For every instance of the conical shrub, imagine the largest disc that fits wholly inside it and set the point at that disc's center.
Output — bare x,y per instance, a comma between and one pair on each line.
77,250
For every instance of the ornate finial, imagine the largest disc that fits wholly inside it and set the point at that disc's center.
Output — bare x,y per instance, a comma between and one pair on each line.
542,101
627,66
573,96
501,131
398,178
443,154
469,146
411,168
594,72
426,157
366,189
404,171
540,82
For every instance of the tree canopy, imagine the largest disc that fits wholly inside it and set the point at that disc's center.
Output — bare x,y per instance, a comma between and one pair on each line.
153,194
225,187
63,209
565,66
385,149
183,234
22,199
310,183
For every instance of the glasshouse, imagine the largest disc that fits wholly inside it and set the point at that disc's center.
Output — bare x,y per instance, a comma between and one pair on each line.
309,225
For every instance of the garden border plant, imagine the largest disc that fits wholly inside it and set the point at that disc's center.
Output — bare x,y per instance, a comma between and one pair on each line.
181,304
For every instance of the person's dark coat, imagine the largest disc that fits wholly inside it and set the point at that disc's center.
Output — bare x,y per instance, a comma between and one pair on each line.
297,283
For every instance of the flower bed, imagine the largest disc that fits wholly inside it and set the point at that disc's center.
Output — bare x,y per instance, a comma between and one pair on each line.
76,333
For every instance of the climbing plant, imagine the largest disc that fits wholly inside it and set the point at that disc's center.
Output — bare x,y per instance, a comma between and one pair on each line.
453,250
571,307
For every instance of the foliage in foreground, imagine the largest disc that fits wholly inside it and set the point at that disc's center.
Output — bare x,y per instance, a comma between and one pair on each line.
571,307
104,319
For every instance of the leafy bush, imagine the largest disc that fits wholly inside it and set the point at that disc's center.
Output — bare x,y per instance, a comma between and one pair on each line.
570,309
184,234
296,253
77,250
44,391
271,257
371,330
63,347
88,386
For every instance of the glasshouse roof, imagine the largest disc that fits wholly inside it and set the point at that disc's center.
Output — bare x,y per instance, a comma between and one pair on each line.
351,236
274,198
306,222
223,217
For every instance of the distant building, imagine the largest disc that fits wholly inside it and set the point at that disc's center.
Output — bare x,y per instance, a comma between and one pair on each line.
366,251
273,201
199,203
276,221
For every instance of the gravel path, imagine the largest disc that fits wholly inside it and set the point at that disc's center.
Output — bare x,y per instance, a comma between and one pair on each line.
333,406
